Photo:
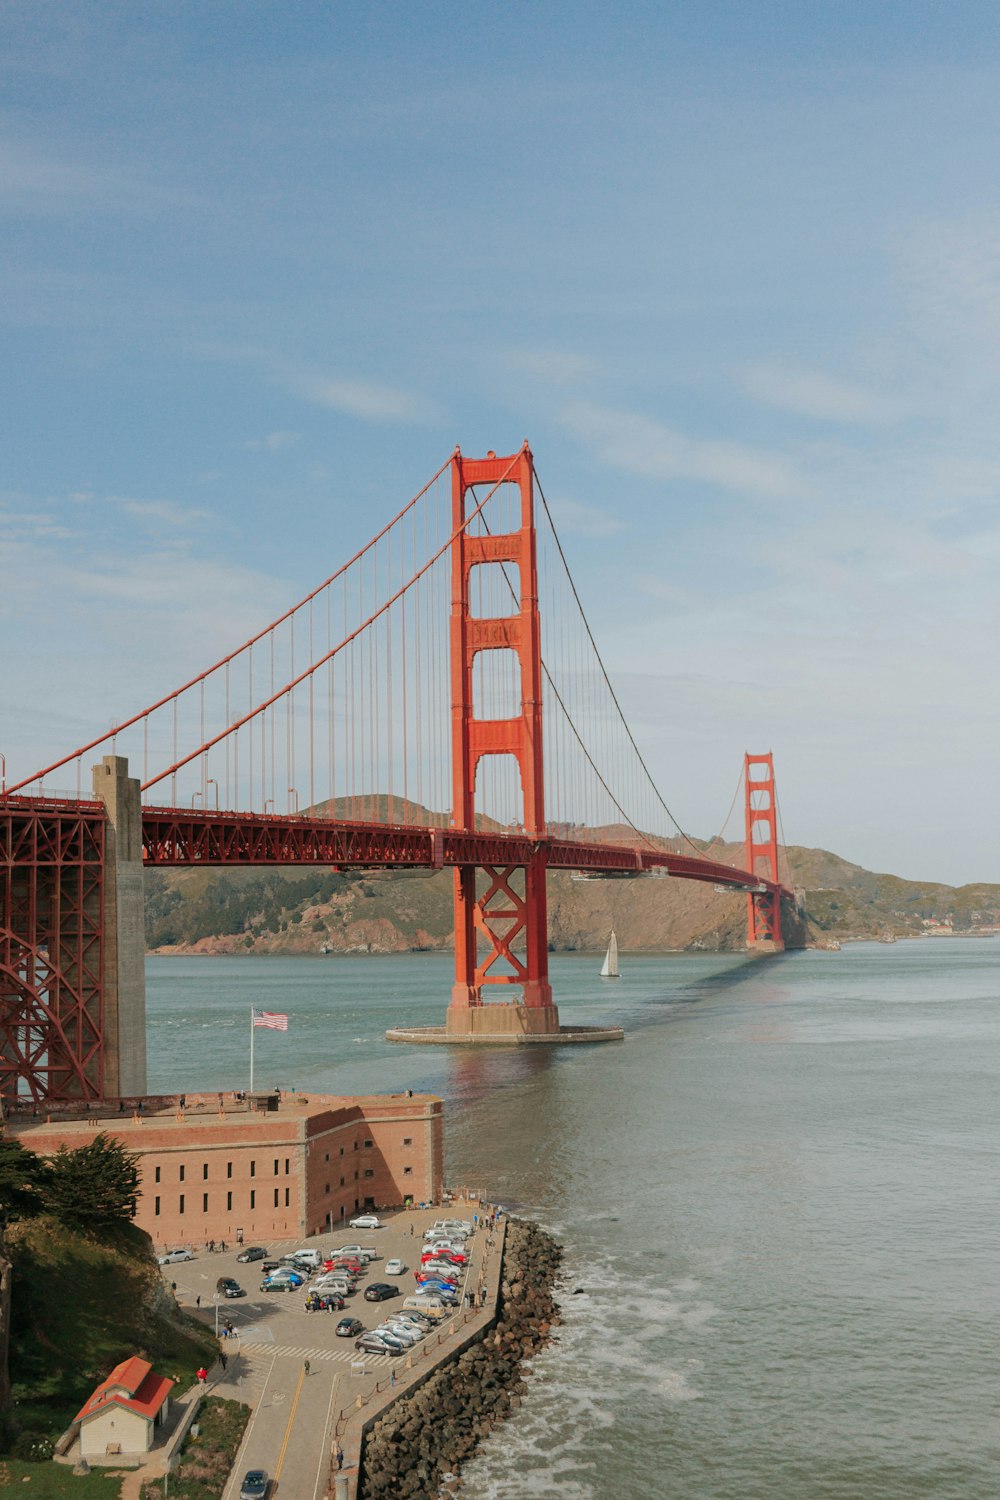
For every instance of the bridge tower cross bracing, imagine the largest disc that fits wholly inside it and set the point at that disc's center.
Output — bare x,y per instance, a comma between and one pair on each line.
501,926
763,907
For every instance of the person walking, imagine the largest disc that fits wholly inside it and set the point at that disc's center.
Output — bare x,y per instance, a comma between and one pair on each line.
223,1360
340,1457
197,1302
203,1376
305,1366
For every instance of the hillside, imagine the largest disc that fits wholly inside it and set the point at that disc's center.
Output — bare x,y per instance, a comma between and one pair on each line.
306,911
78,1307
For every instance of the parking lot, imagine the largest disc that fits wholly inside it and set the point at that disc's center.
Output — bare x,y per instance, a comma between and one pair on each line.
291,1428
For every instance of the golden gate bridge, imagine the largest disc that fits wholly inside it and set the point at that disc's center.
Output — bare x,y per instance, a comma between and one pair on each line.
438,701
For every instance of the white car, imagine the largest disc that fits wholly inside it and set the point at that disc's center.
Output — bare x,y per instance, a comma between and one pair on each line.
366,1221
407,1326
395,1268
173,1255
404,1335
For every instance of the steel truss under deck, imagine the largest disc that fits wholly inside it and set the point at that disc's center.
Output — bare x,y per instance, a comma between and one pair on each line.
51,950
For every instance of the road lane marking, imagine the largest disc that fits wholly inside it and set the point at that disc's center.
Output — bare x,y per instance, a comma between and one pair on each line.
288,1428
319,1487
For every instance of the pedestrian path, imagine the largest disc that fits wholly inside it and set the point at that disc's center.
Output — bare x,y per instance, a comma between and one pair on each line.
335,1356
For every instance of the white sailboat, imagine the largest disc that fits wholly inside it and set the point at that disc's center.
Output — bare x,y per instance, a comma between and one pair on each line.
609,969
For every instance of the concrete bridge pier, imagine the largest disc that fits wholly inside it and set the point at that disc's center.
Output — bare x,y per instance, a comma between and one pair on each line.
124,1007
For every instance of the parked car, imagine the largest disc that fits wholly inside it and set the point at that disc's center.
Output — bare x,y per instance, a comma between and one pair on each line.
446,1283
380,1291
402,1334
441,1295
230,1288
282,1281
308,1257
324,1302
406,1325
358,1252
379,1343
440,1252
366,1221
270,1265
349,1328
255,1486
252,1252
172,1256
395,1268
428,1307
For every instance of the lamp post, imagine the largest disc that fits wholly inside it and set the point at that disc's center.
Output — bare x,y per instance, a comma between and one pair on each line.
293,793
216,1299
212,782
194,797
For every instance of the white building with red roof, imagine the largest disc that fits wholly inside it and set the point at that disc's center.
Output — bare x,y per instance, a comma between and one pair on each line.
124,1411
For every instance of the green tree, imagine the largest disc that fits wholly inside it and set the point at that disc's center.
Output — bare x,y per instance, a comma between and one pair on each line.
95,1186
24,1179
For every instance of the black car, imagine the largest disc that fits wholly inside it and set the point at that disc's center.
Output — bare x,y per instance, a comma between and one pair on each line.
380,1291
255,1486
252,1252
270,1265
230,1288
349,1328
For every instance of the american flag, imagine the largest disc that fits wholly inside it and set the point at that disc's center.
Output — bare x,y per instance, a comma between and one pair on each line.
271,1019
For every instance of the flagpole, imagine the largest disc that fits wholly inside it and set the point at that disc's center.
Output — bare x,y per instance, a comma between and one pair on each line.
251,1049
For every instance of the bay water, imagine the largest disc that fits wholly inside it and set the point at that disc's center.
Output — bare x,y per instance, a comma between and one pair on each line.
778,1200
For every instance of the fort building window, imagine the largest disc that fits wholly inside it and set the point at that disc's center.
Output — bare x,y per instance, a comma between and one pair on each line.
229,1169
327,1158
229,1200
369,1171
253,1198
157,1174
204,1203
287,1190
204,1171
253,1169
182,1174
407,1140
180,1204
276,1192
369,1145
156,1207
275,1166
286,1166
407,1171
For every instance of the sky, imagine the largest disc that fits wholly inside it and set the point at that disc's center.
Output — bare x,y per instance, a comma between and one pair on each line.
732,269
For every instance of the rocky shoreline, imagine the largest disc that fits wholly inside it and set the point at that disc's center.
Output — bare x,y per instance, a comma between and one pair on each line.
427,1436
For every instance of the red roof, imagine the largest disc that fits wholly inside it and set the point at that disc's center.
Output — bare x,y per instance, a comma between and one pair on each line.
131,1385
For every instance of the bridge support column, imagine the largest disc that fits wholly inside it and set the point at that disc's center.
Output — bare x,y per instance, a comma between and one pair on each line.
501,927
124,1006
763,907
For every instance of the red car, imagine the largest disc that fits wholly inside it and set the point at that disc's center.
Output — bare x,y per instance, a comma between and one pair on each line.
453,1257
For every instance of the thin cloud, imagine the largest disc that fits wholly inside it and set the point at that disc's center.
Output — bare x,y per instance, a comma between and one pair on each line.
558,367
575,518
359,398
811,393
638,445
274,442
161,510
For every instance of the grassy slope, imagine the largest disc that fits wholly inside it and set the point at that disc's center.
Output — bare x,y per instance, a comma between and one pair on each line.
55,1482
78,1308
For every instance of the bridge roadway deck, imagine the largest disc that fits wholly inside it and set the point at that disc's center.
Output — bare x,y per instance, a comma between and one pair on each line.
177,836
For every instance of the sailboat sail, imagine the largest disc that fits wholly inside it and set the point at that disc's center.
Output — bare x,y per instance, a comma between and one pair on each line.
609,969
